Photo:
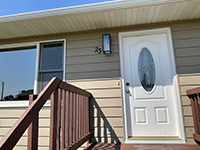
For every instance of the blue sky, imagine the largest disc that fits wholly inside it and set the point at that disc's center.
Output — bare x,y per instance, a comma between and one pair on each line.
9,7
17,68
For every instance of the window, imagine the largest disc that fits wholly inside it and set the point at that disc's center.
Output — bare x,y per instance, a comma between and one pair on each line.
50,63
25,68
17,71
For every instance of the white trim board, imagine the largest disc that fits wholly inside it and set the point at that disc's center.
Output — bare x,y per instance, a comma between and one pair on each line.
19,104
166,31
9,46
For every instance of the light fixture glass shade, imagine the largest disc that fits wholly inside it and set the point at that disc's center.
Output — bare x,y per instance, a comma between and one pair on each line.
106,44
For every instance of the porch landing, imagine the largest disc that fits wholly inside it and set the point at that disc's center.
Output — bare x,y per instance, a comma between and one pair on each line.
112,146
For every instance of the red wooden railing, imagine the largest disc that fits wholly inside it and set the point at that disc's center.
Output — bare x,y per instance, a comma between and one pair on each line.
194,95
69,114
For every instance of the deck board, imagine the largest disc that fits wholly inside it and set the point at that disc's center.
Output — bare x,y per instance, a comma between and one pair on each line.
112,146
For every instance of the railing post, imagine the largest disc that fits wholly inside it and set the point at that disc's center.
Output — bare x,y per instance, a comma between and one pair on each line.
71,119
54,143
77,117
63,124
67,119
88,115
195,113
33,129
193,94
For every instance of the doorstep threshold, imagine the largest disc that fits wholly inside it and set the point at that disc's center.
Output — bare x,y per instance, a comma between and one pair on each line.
154,138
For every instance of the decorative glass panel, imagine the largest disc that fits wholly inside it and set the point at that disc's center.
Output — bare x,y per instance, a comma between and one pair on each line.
146,69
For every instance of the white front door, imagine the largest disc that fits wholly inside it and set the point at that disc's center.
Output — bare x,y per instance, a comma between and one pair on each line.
150,96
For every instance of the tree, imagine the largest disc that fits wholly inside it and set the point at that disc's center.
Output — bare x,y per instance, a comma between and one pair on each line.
9,97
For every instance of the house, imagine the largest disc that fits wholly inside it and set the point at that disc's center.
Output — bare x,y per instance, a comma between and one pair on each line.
139,90
24,95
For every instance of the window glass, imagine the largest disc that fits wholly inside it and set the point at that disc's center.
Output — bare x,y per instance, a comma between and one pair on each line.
17,74
51,57
46,77
51,63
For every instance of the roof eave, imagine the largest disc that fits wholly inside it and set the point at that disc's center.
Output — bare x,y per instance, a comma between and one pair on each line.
119,4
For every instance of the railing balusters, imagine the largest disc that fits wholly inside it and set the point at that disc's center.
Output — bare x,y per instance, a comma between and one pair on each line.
76,121
33,129
86,113
63,119
79,110
197,108
84,120
82,114
74,117
74,125
77,117
67,119
53,121
71,119
58,120
193,94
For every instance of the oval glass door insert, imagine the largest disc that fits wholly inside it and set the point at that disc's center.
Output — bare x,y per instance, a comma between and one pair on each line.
146,69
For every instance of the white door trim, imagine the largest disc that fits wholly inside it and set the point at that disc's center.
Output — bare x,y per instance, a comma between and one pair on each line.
166,31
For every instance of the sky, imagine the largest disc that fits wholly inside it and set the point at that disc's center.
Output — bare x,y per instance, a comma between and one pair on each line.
16,74
10,7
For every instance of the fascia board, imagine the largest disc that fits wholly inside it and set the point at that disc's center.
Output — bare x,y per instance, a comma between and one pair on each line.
119,4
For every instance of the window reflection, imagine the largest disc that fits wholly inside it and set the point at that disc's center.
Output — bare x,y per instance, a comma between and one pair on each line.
17,72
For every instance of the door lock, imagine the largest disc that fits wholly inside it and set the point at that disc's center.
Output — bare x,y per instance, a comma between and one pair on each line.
127,91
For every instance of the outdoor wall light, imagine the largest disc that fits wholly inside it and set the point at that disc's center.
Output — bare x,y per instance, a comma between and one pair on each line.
106,43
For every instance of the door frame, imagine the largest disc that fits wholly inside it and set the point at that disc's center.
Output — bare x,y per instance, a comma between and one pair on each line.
126,108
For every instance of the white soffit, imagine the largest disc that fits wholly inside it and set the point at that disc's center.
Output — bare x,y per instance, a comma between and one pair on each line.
97,16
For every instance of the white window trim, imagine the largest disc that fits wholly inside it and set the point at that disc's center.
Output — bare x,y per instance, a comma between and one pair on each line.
9,46
17,104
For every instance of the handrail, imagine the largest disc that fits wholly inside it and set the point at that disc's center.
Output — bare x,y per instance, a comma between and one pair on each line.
75,103
194,95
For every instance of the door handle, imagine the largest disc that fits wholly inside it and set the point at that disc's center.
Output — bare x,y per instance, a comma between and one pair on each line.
127,91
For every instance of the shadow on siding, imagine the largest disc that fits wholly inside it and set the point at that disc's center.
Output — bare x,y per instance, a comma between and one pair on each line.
101,126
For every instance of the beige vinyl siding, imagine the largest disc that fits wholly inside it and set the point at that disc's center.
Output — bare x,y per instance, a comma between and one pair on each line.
186,38
100,75
83,63
105,108
8,116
